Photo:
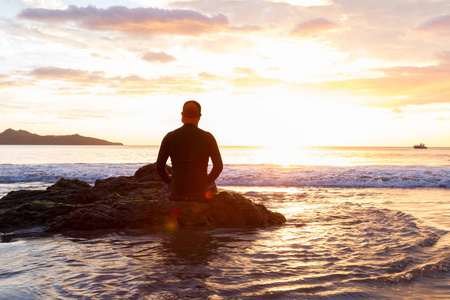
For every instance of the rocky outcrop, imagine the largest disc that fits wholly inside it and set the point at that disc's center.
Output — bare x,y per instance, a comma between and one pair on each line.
126,202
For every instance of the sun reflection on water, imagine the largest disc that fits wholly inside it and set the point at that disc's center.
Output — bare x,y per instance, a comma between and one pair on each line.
286,155
333,246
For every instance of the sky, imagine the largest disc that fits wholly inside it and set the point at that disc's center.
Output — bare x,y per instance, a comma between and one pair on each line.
273,73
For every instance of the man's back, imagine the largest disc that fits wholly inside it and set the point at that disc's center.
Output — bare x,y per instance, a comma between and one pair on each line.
189,148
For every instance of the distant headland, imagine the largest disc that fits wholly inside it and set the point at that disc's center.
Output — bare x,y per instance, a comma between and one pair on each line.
22,137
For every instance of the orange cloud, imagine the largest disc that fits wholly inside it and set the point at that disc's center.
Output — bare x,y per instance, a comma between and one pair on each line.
250,79
77,113
253,79
160,57
131,20
132,84
166,84
9,82
314,27
81,81
209,76
246,71
71,75
439,25
401,86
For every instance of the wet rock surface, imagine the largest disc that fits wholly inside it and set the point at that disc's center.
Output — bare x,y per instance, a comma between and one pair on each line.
126,202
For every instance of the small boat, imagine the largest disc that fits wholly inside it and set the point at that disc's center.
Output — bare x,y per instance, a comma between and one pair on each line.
420,146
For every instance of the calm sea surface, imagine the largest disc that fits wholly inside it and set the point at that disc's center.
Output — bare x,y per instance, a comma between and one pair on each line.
362,223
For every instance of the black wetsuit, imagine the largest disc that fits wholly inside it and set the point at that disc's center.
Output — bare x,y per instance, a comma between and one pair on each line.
189,148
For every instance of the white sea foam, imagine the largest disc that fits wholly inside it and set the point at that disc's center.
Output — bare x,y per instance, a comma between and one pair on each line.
360,176
50,173
250,175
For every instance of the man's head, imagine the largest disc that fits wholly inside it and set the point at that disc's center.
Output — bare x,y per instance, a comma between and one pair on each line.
192,111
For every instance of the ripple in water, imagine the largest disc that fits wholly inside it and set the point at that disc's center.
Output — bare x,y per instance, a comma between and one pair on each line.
330,247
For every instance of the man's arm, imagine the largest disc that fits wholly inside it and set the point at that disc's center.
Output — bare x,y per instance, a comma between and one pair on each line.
216,159
163,155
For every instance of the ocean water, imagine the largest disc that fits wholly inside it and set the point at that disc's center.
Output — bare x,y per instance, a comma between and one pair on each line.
368,223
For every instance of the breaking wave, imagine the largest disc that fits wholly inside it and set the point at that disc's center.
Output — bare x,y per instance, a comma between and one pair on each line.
323,176
251,175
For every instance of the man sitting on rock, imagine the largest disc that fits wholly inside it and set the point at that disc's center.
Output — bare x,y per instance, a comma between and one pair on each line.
189,149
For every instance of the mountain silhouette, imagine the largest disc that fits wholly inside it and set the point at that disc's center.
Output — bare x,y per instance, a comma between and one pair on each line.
22,137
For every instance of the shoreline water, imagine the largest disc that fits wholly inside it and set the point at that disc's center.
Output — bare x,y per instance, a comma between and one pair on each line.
375,224
295,156
337,243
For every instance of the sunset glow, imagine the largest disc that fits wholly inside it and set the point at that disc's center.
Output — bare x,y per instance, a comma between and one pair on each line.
277,73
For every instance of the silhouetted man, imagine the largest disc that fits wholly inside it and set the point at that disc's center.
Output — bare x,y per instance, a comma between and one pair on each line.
189,149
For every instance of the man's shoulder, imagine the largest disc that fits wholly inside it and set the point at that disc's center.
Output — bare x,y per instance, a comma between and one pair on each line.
203,131
206,133
193,128
174,131
184,129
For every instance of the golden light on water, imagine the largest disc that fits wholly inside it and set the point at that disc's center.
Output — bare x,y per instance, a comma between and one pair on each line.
283,155
290,155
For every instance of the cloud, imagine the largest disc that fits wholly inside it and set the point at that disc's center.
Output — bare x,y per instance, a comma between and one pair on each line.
209,76
246,71
71,75
9,82
442,119
221,44
249,79
303,2
98,55
399,86
443,56
77,114
43,3
252,79
314,27
119,85
437,25
246,28
162,85
160,57
87,82
131,20
7,107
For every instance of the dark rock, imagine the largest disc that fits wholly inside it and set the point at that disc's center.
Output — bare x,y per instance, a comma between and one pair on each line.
237,211
126,202
149,172
67,184
16,198
115,211
124,185
32,214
